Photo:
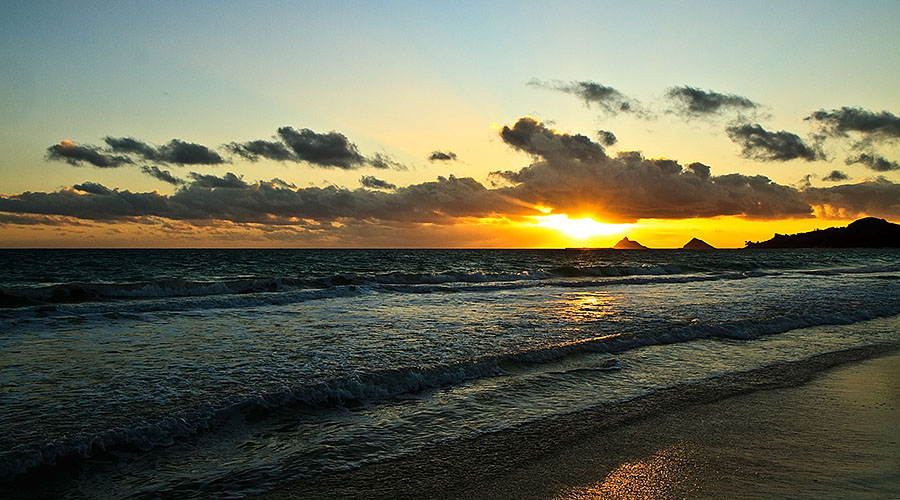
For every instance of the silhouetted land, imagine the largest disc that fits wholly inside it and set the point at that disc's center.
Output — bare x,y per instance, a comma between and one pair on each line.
697,244
869,232
627,244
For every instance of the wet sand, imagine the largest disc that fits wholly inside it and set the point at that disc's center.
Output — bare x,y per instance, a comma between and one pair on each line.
835,436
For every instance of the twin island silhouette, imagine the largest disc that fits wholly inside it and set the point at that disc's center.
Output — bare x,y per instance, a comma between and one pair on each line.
869,232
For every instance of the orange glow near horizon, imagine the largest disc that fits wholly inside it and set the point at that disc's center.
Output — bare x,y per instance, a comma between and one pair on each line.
543,231
580,228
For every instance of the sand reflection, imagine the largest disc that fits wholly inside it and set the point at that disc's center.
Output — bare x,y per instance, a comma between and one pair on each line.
666,474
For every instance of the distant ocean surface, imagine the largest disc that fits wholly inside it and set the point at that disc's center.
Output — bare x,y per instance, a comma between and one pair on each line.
224,373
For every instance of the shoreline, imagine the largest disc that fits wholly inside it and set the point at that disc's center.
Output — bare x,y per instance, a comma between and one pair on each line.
662,439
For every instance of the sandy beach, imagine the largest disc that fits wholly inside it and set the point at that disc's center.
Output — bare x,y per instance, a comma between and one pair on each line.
835,436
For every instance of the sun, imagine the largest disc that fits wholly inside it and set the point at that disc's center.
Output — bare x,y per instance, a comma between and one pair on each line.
580,228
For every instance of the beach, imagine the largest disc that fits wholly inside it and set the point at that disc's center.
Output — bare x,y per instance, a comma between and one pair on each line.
837,435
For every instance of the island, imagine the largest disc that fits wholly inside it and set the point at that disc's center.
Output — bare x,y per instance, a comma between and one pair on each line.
626,244
697,244
869,232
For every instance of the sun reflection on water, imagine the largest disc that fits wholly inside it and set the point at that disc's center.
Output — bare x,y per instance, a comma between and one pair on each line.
588,306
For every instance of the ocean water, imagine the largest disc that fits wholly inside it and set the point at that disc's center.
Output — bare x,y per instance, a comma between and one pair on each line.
225,373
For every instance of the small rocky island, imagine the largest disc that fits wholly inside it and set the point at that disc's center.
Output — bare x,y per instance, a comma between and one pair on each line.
697,244
869,232
626,244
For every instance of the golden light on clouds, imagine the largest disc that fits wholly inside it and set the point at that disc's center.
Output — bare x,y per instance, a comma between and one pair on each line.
67,144
580,228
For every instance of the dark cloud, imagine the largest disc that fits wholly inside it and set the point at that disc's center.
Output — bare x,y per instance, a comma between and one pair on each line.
282,183
328,150
331,149
607,98
691,101
699,169
606,137
131,145
874,162
229,181
163,175
128,151
879,197
570,173
442,156
254,150
74,154
531,136
187,153
375,183
175,151
93,188
383,161
95,203
835,176
759,144
838,122
229,198
574,176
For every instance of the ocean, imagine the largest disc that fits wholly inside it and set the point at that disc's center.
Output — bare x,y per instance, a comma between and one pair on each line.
226,373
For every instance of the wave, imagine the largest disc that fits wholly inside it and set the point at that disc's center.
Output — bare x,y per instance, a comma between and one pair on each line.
387,384
165,288
11,297
124,301
69,293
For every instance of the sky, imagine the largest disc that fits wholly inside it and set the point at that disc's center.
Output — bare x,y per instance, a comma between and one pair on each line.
451,124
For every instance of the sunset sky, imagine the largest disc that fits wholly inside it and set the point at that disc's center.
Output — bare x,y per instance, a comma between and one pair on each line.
451,124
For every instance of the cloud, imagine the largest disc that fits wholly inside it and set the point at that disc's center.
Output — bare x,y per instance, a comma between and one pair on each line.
569,173
383,161
375,183
187,153
328,150
606,98
877,126
163,175
175,151
87,201
760,144
230,198
531,136
254,150
692,101
874,162
282,183
606,137
74,154
93,188
39,220
836,175
331,149
575,176
877,197
130,145
123,151
700,170
229,181
442,156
